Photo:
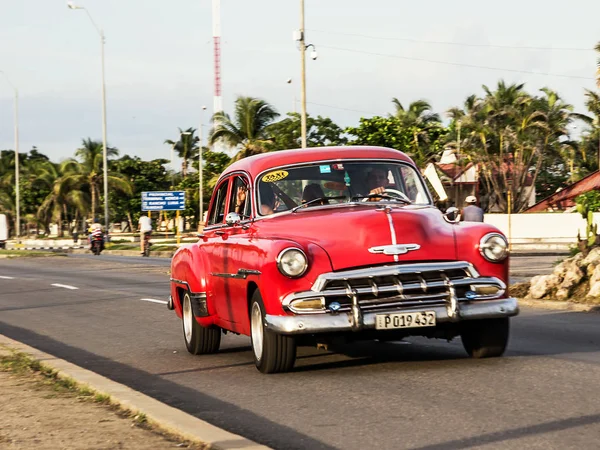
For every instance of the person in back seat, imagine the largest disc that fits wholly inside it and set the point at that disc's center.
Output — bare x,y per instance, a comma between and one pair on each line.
314,191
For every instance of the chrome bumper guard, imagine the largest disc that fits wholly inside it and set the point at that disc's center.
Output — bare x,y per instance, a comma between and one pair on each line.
329,323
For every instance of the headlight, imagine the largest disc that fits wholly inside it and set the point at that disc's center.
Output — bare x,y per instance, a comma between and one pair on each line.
292,262
493,247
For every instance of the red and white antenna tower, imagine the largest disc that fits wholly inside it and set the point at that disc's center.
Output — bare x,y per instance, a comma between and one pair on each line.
216,10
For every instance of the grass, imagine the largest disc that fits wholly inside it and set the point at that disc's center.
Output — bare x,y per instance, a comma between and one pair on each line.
28,254
23,365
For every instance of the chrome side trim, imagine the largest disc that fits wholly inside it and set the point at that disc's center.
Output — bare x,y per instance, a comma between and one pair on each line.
175,280
241,274
330,323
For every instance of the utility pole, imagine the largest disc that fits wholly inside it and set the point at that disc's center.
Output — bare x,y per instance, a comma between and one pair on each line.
100,31
200,193
17,169
303,76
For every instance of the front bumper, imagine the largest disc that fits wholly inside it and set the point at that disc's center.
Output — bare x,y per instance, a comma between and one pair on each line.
331,323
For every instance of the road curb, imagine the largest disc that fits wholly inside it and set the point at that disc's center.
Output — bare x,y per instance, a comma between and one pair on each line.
558,305
163,416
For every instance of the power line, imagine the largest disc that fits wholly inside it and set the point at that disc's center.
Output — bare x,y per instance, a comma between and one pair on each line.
448,63
461,44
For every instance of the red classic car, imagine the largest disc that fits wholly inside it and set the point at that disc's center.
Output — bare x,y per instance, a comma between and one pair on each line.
316,245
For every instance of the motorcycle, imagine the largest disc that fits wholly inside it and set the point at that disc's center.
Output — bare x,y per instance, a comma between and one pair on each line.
97,241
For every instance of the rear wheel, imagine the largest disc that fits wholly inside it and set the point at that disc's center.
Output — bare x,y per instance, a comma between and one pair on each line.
485,338
273,353
198,339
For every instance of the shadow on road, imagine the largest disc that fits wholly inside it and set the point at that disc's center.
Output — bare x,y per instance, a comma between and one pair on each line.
502,436
217,412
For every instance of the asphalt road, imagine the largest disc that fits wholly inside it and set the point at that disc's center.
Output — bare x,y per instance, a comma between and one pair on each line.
423,394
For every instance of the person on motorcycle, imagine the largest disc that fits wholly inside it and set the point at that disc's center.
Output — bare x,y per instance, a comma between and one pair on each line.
145,227
96,233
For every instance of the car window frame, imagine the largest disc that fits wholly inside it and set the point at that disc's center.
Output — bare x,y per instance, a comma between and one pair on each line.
213,203
332,161
249,196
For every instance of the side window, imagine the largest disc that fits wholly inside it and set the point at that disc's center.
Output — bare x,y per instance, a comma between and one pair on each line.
240,197
217,214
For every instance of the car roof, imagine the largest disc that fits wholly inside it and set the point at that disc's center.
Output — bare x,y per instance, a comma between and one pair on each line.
259,163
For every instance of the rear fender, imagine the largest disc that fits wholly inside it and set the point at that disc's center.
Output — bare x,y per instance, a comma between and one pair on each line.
189,268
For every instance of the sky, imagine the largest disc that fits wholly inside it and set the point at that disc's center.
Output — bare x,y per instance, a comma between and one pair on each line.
159,66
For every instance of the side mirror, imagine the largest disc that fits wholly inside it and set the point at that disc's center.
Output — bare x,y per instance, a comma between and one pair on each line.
452,215
233,219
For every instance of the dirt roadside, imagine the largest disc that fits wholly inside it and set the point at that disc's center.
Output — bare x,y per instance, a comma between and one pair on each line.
38,410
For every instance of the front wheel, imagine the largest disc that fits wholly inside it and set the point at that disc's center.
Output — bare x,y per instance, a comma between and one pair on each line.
273,353
198,339
485,338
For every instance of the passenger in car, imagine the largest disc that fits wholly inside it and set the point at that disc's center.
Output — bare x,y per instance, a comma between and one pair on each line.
314,191
268,201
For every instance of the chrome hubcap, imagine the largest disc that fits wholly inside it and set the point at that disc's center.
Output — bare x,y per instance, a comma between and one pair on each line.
188,317
257,331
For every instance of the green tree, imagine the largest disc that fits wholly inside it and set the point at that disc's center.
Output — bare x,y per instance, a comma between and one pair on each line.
87,173
186,147
320,132
247,130
391,132
142,176
513,137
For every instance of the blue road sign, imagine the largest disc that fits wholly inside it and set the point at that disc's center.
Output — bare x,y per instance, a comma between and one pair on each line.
163,201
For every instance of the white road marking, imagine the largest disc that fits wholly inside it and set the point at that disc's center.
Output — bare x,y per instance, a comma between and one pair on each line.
163,302
66,286
6,278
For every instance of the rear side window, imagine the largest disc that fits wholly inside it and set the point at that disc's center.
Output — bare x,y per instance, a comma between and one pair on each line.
217,213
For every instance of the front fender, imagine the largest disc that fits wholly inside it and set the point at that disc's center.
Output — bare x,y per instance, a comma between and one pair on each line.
468,235
274,286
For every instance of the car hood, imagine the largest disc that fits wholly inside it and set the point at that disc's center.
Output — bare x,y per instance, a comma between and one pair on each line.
351,234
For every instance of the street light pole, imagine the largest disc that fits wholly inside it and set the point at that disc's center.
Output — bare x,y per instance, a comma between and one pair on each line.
303,76
200,174
104,144
301,39
17,170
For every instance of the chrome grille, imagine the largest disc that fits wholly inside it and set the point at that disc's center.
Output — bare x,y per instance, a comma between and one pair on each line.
401,286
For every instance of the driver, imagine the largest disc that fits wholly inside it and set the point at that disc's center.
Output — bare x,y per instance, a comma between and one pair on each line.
377,180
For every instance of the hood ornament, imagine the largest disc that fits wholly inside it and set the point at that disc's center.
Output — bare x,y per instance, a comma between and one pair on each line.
395,249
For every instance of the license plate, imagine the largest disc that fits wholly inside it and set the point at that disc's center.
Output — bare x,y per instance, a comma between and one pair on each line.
405,320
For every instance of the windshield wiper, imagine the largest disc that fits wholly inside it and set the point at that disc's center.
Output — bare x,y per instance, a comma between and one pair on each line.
385,196
316,200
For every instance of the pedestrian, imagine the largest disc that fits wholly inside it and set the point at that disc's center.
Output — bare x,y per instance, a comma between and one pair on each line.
471,212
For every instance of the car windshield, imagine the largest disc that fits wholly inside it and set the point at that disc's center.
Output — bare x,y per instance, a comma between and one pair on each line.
337,182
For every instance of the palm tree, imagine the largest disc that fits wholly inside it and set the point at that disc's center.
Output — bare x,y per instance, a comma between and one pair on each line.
592,103
87,173
248,130
186,147
419,113
597,48
420,119
65,191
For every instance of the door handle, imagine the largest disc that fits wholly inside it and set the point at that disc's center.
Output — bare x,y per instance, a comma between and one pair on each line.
219,233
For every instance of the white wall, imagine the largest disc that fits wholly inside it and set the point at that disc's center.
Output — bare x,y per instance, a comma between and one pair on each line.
555,227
